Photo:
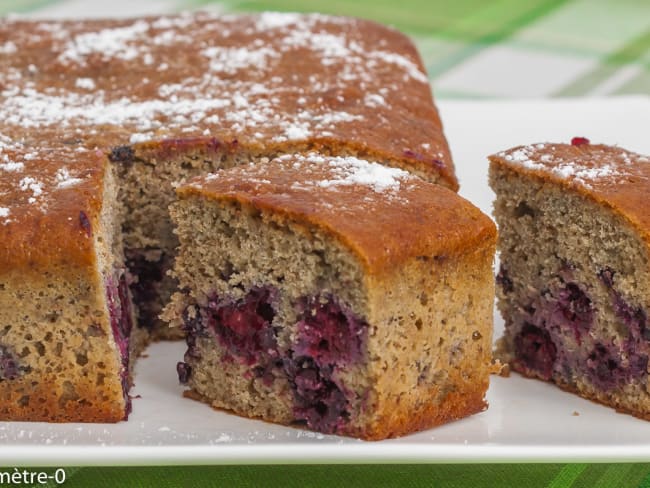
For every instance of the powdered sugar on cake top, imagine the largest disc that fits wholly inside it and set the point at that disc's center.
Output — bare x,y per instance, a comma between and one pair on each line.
586,165
203,92
353,171
319,171
64,180
68,89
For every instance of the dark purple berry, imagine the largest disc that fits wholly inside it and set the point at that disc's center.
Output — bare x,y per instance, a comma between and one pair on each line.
148,267
535,351
9,367
504,280
330,333
634,318
119,307
319,402
243,327
122,154
85,223
184,371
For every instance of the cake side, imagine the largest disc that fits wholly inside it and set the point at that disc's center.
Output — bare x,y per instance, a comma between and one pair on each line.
575,270
65,328
283,250
445,307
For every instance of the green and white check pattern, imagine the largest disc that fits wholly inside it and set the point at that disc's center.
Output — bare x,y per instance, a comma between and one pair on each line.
471,48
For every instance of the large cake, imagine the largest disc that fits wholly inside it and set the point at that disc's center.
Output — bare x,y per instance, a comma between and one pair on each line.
335,293
98,120
574,282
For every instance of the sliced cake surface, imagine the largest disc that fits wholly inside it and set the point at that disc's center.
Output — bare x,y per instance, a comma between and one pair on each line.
172,97
574,279
334,292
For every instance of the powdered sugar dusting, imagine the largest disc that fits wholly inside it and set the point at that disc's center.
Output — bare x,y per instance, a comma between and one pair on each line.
347,171
587,166
8,48
31,184
64,180
85,83
276,20
107,43
353,171
12,166
4,211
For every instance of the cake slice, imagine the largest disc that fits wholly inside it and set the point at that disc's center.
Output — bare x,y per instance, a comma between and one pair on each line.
574,280
66,319
335,293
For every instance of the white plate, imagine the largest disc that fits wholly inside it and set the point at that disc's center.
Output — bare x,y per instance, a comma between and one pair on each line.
527,419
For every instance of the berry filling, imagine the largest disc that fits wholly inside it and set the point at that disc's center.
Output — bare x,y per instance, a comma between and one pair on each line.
318,400
535,351
607,370
328,337
556,336
119,308
242,327
148,267
329,333
10,369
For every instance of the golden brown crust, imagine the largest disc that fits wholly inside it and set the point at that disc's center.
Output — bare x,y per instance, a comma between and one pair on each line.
45,403
56,233
457,405
458,334
608,175
384,228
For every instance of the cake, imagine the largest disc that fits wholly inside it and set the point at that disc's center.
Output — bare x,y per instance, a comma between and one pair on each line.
100,118
333,293
574,279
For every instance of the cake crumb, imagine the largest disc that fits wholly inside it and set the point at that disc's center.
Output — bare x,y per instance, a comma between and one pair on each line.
575,414
500,369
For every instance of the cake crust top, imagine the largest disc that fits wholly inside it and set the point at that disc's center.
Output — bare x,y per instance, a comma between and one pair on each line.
610,175
71,92
385,215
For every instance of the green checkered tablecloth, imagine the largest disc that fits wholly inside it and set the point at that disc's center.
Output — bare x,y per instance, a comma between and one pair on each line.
472,49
